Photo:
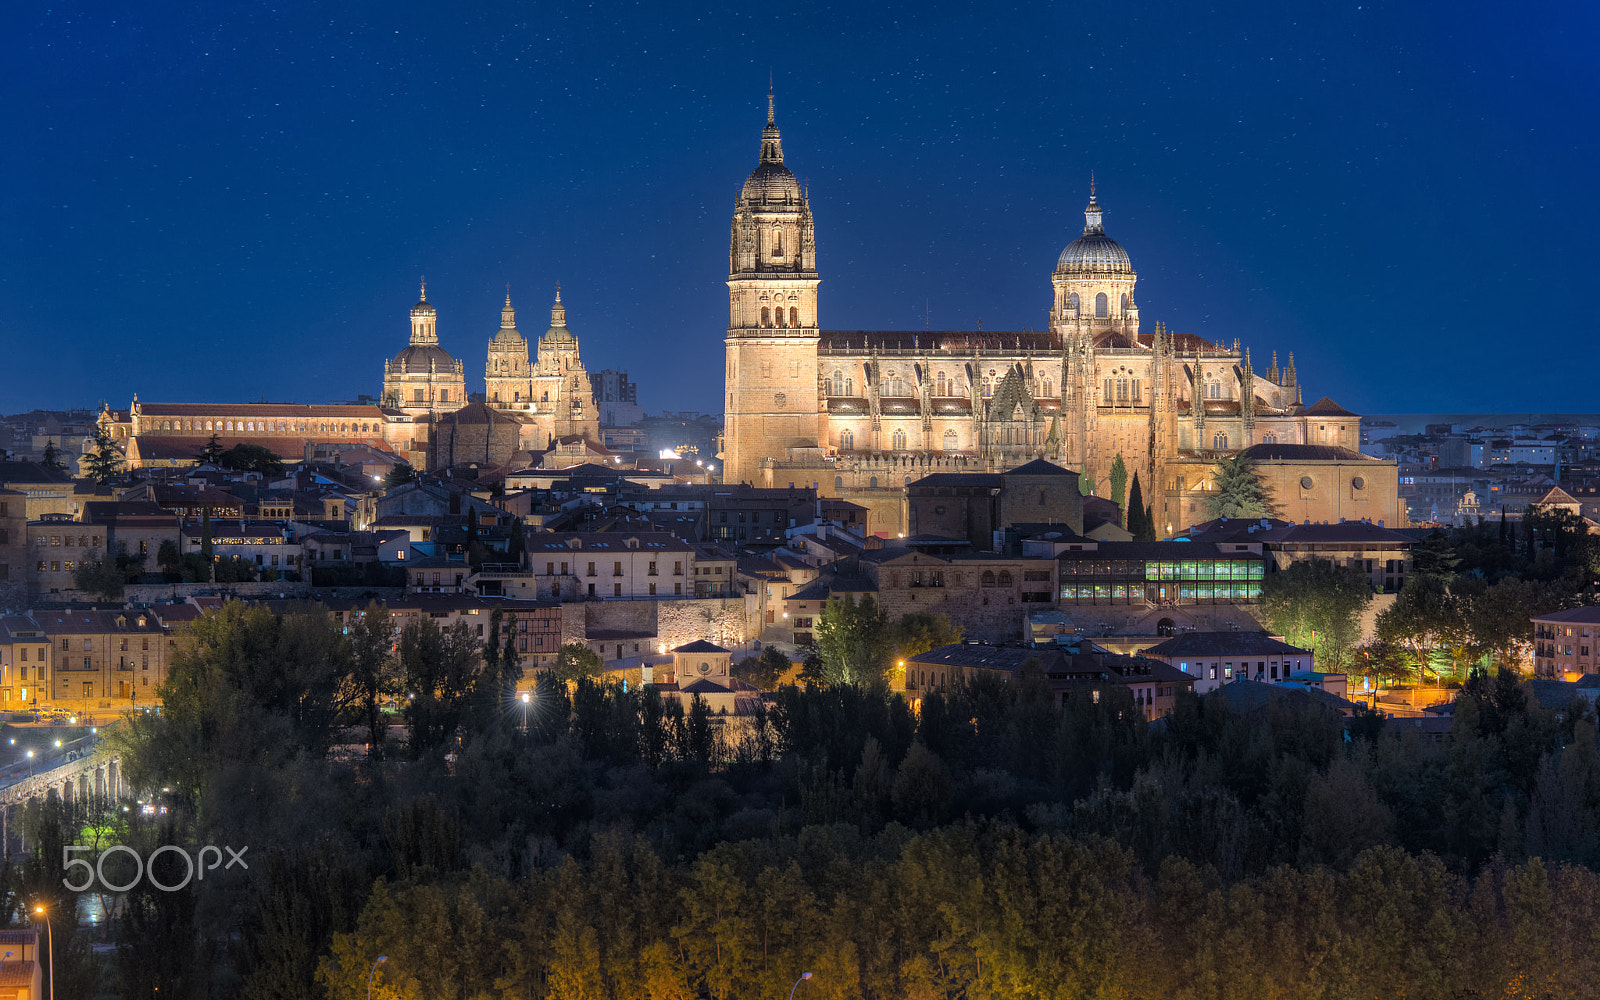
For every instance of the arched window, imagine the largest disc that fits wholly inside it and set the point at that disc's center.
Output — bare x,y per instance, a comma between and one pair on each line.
1269,438
777,317
987,580
949,440
873,482
1135,390
1072,305
838,482
899,439
1111,388
1220,441
849,387
847,439
939,385
777,243
1044,388
766,317
1101,306
836,384
794,316
1122,390
1005,578
1124,306
1213,390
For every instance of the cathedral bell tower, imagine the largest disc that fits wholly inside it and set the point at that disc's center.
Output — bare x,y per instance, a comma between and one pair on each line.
772,316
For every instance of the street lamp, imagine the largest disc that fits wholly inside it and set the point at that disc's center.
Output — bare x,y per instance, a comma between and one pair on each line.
803,977
381,959
525,700
50,939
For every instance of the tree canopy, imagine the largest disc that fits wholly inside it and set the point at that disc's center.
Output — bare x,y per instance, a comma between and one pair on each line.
1317,605
246,457
1238,490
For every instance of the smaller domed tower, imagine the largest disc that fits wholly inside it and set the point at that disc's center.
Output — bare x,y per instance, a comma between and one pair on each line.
1094,282
561,386
424,378
507,375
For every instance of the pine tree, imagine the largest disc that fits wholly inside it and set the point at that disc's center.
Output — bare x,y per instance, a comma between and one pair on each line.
104,461
1119,484
52,456
1238,490
211,452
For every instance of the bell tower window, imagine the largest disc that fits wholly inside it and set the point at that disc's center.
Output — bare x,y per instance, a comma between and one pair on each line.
847,440
899,440
1124,306
1072,305
777,243
1101,306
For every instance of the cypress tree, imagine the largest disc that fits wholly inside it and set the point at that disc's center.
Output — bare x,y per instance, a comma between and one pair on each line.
1119,483
1135,511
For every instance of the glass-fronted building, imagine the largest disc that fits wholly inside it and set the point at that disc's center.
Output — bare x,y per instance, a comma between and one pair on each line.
1152,573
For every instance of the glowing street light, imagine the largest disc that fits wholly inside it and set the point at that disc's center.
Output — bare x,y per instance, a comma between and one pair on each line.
50,939
381,959
803,977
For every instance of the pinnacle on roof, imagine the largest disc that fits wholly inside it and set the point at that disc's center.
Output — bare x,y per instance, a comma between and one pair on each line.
1092,225
771,141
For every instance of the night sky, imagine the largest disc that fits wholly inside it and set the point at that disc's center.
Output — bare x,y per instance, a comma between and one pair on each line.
230,201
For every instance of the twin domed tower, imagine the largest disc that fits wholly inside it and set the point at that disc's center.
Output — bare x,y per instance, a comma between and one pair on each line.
549,393
862,412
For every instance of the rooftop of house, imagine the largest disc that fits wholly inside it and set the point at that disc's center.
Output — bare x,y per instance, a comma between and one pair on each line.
1225,644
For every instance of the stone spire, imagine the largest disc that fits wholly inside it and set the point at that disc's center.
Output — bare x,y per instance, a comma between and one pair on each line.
771,144
558,312
1273,375
508,315
424,319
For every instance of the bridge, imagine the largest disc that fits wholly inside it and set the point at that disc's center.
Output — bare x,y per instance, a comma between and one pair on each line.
74,765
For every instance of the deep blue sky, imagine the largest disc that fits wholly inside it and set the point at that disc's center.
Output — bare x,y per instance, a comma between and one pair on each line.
232,202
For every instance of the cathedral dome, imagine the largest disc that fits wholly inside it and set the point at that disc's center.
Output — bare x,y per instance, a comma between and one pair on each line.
419,359
1094,252
771,182
1094,255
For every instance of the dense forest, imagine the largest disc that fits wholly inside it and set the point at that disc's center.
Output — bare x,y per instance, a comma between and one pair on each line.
989,845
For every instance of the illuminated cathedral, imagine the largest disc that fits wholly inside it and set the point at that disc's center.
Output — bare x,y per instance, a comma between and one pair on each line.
861,413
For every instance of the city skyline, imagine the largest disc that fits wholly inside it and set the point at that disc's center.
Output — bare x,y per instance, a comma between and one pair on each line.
219,216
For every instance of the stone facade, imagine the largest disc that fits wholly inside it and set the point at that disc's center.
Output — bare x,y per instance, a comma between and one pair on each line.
859,412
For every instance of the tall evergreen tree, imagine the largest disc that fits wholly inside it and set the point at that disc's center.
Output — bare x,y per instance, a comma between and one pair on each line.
52,456
104,461
1238,490
1085,481
1119,485
1141,522
212,451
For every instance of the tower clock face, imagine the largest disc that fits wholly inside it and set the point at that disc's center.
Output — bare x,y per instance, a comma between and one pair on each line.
704,668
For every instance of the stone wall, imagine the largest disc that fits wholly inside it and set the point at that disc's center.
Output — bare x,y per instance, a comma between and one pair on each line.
727,621
150,593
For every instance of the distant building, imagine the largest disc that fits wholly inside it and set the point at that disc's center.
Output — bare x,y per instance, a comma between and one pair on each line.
618,398
1216,658
1564,642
